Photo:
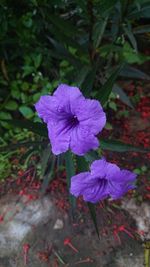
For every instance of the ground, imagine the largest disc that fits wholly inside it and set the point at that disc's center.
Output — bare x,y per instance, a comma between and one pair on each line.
121,241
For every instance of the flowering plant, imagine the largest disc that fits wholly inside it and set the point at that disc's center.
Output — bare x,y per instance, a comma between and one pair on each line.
73,123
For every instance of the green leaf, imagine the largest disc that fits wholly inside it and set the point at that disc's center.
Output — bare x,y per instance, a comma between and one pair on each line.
108,85
49,176
105,49
143,12
82,164
27,20
5,115
15,93
60,52
98,31
26,112
130,72
35,127
82,75
93,216
24,144
27,70
37,60
118,146
69,40
65,26
141,29
108,126
104,5
112,105
115,22
11,105
87,85
122,95
131,56
129,32
44,159
70,171
36,97
91,156
25,86
137,171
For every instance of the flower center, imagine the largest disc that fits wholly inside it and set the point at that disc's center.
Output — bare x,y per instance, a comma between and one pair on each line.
103,181
73,121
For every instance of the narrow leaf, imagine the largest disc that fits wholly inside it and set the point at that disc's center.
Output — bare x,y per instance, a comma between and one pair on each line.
141,29
83,72
108,85
129,32
118,146
35,127
70,171
89,80
62,53
123,96
82,164
93,216
23,144
99,31
130,72
91,156
44,159
64,25
49,176
143,12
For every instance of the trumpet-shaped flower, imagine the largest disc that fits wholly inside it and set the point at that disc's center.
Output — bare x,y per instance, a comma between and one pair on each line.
72,120
104,180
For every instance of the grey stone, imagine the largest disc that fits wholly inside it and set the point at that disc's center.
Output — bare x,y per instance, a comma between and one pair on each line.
58,224
15,229
141,214
42,226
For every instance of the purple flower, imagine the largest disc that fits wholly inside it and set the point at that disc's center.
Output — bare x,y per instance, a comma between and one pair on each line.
104,180
72,120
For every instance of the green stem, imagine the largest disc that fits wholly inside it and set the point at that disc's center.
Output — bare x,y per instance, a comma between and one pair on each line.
70,171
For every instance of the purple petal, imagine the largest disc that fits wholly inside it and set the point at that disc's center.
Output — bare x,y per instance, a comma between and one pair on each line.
68,97
124,176
59,136
98,168
46,107
88,186
121,182
82,140
117,190
111,170
90,114
96,192
79,182
102,168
